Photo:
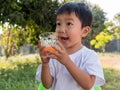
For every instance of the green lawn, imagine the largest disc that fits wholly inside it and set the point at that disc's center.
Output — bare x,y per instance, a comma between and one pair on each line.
19,74
112,77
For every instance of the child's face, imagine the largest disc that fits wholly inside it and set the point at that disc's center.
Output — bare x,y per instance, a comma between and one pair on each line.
69,29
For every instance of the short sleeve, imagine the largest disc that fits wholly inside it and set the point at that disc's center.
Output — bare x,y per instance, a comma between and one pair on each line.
52,67
93,67
39,69
38,73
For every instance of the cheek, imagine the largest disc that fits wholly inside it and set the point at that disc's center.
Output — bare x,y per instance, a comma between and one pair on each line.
78,34
74,35
57,29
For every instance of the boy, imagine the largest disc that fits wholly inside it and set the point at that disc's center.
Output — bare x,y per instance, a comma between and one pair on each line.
73,66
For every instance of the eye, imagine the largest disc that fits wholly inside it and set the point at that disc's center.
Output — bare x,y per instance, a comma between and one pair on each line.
69,24
58,24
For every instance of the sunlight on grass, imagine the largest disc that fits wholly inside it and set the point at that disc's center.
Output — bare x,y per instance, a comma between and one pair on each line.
13,62
18,73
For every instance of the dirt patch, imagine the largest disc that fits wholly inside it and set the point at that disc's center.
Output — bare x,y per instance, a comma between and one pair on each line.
112,61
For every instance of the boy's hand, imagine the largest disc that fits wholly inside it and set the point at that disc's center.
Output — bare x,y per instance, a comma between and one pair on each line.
61,55
43,53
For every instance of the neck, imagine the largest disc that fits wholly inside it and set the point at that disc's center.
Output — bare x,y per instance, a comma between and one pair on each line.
73,49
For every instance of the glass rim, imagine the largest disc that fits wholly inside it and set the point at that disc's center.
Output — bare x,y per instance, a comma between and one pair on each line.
45,34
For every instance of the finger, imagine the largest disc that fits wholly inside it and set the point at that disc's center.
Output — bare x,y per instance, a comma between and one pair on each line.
39,44
43,51
53,56
59,47
42,48
56,49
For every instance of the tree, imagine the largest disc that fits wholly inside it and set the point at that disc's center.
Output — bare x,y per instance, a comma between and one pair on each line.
22,12
97,24
117,18
13,37
117,26
9,40
37,16
103,38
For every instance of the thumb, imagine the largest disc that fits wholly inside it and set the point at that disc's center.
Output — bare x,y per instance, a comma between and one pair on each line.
39,44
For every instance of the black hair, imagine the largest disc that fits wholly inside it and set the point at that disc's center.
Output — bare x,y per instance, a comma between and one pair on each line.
82,11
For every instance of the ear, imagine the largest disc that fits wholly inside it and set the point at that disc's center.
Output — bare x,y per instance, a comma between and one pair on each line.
85,31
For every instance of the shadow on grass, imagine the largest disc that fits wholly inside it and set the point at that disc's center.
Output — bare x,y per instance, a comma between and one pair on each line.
20,78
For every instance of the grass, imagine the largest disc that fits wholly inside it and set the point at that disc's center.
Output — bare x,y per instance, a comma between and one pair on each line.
112,77
18,73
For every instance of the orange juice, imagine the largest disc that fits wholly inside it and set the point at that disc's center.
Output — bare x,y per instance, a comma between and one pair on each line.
49,48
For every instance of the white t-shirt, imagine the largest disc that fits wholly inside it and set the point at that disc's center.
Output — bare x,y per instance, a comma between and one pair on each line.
85,59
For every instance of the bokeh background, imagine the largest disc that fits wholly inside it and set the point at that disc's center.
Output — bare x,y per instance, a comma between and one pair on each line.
21,23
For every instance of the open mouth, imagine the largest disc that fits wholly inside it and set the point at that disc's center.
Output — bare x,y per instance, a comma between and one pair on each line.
64,38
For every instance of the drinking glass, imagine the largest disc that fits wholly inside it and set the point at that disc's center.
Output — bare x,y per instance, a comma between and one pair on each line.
48,39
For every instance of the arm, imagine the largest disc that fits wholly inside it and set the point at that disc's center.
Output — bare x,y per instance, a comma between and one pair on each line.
45,72
85,80
46,76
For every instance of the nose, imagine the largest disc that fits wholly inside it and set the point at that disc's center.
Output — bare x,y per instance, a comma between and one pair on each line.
61,29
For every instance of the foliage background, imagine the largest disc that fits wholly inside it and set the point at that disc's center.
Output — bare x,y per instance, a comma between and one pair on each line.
26,20
37,16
